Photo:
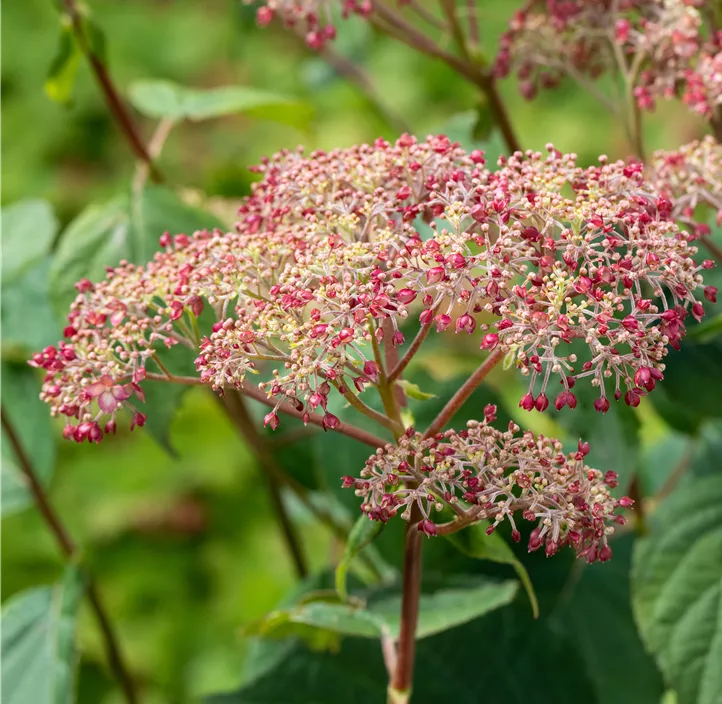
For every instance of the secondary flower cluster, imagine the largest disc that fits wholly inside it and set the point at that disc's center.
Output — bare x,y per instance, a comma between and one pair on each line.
499,476
315,18
662,45
690,177
328,260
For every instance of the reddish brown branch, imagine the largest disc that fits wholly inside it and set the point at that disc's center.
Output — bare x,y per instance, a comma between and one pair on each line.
110,93
70,550
460,397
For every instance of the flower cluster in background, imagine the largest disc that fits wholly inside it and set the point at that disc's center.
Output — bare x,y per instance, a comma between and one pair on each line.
328,261
663,47
501,476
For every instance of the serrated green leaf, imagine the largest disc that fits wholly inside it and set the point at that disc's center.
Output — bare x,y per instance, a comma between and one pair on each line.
31,421
474,541
39,656
413,391
677,590
362,534
60,81
105,233
28,322
28,230
499,657
170,101
439,610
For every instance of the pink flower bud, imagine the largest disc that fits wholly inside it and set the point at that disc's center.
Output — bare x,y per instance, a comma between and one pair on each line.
271,419
489,341
710,293
541,403
435,275
601,404
442,322
466,323
426,527
406,295
626,502
330,421
138,420
371,370
611,479
527,402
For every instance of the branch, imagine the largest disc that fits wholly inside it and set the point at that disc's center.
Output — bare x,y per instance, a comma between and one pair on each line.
71,552
284,407
460,397
272,473
110,93
398,370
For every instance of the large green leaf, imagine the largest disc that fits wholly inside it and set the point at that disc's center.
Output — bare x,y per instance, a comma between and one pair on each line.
60,81
677,591
31,422
39,656
474,541
28,322
693,377
28,230
440,609
503,656
167,100
122,228
613,436
595,612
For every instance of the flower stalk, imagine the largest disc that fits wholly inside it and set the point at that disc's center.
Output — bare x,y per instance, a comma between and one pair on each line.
72,553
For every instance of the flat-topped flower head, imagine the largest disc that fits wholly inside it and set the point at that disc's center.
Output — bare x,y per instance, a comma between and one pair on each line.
332,254
662,45
495,476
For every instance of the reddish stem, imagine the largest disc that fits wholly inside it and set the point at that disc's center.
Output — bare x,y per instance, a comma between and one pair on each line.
398,370
460,397
70,550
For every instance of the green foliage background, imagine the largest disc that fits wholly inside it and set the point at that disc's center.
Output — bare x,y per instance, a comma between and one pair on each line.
180,536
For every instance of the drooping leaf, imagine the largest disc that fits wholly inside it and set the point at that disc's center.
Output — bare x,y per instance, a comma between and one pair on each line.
60,81
360,536
474,541
677,590
167,100
414,391
122,228
596,613
28,230
39,655
441,608
613,436
31,421
693,376
97,238
28,322
502,656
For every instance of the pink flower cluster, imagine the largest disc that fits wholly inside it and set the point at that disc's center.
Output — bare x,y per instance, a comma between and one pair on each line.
691,177
495,476
314,18
663,46
327,262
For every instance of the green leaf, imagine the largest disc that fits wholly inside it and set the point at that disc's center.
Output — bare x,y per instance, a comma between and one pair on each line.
97,238
707,330
103,234
499,657
31,422
61,75
474,541
28,322
677,590
361,535
693,376
413,391
445,607
613,437
597,616
39,655
28,230
170,101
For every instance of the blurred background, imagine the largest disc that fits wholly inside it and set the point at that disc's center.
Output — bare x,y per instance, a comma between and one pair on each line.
181,537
